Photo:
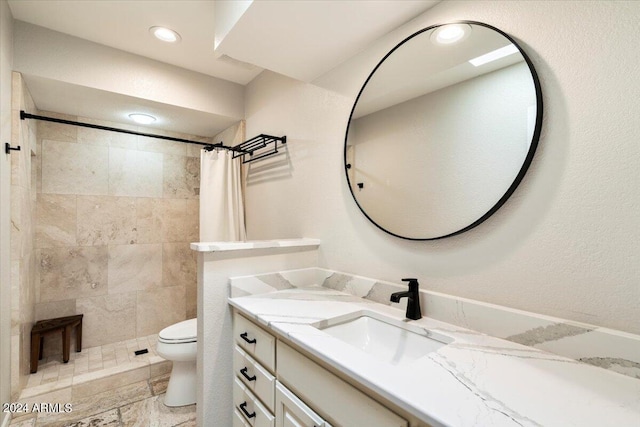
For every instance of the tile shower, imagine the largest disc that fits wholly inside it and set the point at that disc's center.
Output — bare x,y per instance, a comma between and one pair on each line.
102,227
115,214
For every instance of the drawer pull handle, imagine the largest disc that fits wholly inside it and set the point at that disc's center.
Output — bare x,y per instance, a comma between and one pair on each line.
243,407
243,371
245,337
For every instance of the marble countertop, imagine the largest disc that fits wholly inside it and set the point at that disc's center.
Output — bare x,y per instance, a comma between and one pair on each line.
252,244
476,380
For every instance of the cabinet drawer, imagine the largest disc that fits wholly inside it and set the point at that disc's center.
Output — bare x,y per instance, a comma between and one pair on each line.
254,377
340,402
238,420
291,411
254,340
253,412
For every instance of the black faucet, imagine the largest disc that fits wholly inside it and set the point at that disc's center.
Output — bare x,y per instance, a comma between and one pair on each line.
413,305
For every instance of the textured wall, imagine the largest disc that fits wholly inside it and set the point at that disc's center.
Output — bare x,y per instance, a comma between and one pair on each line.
565,244
115,216
23,224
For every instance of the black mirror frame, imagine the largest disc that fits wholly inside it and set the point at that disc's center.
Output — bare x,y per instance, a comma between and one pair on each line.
525,166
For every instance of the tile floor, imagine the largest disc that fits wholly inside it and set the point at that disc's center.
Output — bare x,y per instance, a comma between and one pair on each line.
135,405
106,386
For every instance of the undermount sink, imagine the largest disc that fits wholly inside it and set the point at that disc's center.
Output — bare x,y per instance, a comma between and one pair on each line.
387,339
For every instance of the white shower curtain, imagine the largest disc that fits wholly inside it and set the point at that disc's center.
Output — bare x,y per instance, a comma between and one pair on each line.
221,202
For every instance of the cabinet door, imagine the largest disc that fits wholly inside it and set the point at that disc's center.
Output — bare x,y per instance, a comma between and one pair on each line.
292,412
339,401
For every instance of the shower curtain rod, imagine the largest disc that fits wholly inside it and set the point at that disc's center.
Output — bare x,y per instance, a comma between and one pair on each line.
24,115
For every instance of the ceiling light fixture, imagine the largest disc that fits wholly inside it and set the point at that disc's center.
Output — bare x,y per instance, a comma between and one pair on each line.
449,34
143,119
165,34
494,55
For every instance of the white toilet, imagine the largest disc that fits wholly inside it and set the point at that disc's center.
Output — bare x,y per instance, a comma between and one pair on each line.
179,343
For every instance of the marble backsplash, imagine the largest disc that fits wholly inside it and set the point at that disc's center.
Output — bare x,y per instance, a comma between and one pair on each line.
606,348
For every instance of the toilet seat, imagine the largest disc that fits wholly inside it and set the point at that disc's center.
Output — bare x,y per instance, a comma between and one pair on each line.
184,341
180,333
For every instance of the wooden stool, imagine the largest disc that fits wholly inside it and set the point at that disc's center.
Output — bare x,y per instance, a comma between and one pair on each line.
49,326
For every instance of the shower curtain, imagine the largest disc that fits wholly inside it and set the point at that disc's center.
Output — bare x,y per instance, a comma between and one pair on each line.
221,201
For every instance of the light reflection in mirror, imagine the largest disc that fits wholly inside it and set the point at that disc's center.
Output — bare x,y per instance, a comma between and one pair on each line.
435,143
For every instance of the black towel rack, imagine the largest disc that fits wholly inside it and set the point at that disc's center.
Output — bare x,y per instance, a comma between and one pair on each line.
253,149
256,145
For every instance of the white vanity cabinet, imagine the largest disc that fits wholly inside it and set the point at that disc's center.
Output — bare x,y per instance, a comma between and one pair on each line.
255,341
266,371
254,364
344,404
254,412
238,419
254,377
293,412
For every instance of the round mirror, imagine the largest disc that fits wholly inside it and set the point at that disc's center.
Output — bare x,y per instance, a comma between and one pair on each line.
443,130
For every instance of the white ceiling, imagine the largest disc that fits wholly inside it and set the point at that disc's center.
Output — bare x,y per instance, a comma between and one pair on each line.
125,25
300,39
89,102
306,39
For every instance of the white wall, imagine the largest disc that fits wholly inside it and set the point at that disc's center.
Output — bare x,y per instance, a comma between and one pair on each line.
227,14
565,244
6,62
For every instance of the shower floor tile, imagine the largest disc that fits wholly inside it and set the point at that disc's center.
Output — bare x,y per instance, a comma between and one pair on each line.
94,363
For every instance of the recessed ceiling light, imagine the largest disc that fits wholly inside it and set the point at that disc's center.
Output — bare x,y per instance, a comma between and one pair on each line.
449,34
143,119
494,55
165,34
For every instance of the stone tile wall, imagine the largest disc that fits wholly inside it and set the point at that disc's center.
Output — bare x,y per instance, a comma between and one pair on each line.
115,216
23,260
